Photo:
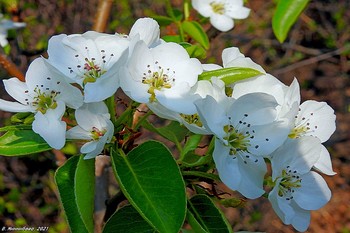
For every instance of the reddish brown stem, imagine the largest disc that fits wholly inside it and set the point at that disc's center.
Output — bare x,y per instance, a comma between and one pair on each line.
11,68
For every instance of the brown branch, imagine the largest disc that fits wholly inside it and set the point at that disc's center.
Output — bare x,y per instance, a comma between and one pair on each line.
11,68
103,13
309,61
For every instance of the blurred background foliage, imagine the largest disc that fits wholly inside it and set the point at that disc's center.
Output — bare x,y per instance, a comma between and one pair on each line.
317,52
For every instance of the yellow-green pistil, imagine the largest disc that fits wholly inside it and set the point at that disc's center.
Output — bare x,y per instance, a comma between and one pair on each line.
44,100
290,181
157,80
218,7
192,119
237,140
92,71
95,133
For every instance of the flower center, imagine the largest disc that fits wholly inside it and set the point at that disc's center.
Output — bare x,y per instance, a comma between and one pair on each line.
302,127
290,180
44,100
89,69
192,119
92,71
158,79
237,140
96,133
218,7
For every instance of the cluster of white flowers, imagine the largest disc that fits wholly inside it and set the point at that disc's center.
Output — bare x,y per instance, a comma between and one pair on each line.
253,121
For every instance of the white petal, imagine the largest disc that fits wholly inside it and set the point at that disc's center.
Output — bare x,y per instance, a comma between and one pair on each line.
313,193
230,54
281,207
89,147
238,12
212,115
324,164
253,108
9,106
203,7
87,119
268,138
221,22
299,154
50,126
265,84
17,89
208,67
78,133
148,29
321,119
246,177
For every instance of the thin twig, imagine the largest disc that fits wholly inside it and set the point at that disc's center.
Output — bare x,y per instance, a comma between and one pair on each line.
309,61
11,68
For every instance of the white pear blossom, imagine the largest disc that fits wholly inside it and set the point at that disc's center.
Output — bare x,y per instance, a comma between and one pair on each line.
45,93
221,12
94,126
297,189
246,130
311,118
164,73
91,59
5,25
316,119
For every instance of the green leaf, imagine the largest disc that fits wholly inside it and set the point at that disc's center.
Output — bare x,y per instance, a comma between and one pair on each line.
286,14
196,32
76,182
230,74
127,220
195,51
204,216
22,142
172,38
84,186
151,180
191,144
173,132
163,20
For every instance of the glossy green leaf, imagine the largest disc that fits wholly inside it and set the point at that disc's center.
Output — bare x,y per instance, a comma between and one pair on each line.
286,14
172,38
22,142
127,220
230,74
196,32
84,186
151,180
195,51
163,20
76,182
173,132
204,216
